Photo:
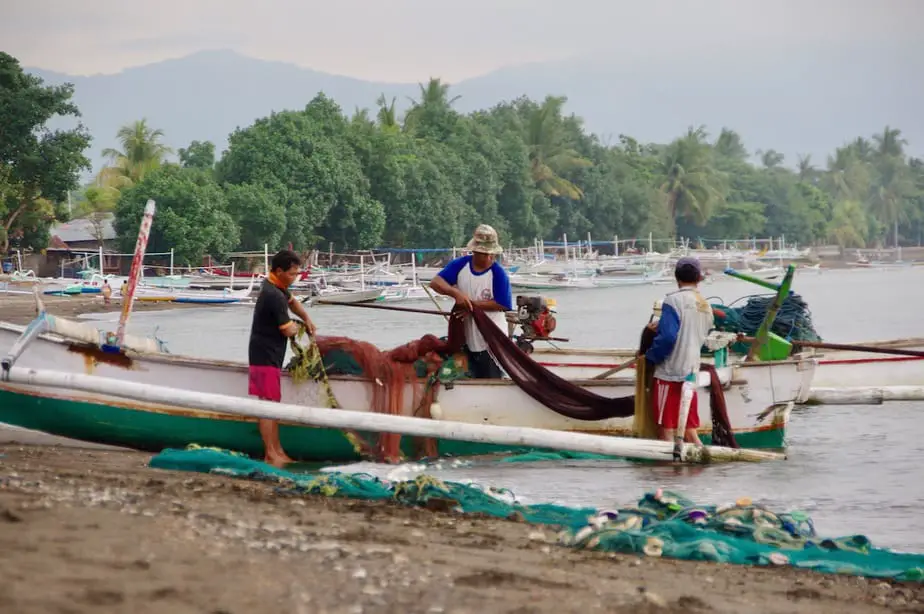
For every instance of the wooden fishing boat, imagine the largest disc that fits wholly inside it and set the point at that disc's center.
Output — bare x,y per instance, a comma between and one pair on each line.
758,421
840,369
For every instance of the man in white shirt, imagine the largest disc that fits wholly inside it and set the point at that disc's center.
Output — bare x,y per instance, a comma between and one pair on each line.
478,282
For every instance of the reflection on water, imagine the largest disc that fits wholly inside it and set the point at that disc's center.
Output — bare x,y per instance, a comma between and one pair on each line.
855,469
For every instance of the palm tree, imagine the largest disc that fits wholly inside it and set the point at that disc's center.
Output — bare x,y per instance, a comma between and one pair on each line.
863,149
890,142
431,109
691,184
141,151
729,145
550,155
771,159
893,187
847,177
805,168
387,117
848,227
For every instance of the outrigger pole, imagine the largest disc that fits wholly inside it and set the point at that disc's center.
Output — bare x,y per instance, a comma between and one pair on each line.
517,437
783,290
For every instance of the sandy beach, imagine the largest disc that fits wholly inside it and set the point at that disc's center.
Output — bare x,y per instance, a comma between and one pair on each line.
96,530
20,308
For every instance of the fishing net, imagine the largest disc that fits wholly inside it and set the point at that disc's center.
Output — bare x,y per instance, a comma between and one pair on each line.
418,367
421,367
793,320
662,524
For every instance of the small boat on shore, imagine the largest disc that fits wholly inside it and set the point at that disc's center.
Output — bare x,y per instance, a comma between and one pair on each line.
758,419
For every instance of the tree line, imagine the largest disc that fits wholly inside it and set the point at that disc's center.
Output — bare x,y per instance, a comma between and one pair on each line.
316,176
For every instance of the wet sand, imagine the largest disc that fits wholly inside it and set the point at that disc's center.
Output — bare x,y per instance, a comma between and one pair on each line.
20,308
98,531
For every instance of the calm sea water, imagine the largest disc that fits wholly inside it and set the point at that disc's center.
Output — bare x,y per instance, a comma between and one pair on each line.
854,469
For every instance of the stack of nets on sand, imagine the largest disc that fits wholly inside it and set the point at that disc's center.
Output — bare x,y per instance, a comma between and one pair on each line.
661,524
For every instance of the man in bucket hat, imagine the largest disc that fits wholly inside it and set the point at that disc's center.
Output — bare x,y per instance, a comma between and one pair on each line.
477,281
685,321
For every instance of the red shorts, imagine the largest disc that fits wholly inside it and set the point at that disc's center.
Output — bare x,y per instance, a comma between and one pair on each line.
265,383
665,399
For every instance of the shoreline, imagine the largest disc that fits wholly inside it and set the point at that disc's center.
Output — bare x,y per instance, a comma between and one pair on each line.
86,530
20,308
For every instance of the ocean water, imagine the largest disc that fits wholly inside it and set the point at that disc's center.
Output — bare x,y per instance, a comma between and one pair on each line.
855,469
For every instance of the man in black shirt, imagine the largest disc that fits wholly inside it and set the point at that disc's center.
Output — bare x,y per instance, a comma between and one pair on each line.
269,334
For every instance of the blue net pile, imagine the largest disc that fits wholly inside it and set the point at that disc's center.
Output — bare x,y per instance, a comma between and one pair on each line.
661,524
793,320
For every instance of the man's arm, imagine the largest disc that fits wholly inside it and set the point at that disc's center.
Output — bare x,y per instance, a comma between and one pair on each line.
280,311
299,309
445,280
666,337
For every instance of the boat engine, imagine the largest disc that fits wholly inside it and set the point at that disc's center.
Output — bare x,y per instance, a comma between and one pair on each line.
535,316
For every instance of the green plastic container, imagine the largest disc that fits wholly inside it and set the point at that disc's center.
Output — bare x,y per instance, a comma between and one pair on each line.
776,348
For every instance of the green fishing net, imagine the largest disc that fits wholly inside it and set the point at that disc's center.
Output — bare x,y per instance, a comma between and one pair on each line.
663,523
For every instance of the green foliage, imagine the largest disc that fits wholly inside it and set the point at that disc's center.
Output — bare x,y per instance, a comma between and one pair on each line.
199,154
313,176
307,157
37,165
191,216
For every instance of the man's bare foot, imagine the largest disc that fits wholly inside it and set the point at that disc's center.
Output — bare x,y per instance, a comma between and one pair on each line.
277,459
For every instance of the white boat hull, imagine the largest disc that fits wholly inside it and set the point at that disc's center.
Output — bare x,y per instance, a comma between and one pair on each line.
498,402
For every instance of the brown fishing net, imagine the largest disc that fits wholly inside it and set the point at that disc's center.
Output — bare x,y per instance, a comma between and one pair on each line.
395,371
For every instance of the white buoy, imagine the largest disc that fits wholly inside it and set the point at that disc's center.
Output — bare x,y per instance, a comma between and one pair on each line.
519,437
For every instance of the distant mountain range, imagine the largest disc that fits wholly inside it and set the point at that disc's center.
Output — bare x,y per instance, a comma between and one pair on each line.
797,103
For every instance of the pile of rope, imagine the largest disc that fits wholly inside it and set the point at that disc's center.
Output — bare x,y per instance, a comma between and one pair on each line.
661,524
793,320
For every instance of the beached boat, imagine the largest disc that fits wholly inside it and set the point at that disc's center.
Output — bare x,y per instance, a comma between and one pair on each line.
757,421
333,294
843,369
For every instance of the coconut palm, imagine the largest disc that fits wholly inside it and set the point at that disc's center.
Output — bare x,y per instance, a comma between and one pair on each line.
141,151
890,142
848,177
387,117
729,145
892,187
691,186
550,155
805,168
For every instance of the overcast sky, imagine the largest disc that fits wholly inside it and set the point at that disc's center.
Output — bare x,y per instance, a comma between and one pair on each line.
409,40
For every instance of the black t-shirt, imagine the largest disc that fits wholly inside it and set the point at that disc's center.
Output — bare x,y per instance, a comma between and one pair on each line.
267,343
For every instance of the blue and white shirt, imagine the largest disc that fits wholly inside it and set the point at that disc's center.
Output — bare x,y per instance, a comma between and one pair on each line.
492,284
686,319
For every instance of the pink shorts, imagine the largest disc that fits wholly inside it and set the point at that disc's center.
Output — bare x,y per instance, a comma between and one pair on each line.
265,383
665,398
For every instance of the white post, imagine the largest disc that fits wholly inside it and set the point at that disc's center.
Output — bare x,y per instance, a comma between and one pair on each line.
650,243
19,259
565,241
266,269
362,273
231,283
616,245
102,268
414,268
171,261
590,244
